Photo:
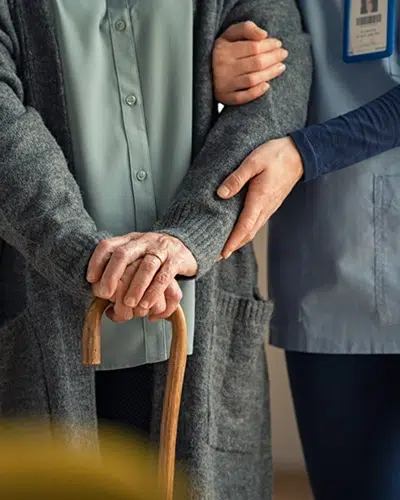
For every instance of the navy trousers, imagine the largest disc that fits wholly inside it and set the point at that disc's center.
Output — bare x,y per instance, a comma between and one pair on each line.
124,399
348,414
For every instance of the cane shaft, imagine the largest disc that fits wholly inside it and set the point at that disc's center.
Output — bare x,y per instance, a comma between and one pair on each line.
91,356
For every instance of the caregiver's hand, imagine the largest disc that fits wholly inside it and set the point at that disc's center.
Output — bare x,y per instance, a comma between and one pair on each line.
245,59
273,169
163,258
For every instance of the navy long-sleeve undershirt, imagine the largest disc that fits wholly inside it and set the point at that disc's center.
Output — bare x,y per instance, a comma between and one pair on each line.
348,139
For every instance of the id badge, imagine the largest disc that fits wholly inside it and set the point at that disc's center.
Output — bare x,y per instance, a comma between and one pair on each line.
369,29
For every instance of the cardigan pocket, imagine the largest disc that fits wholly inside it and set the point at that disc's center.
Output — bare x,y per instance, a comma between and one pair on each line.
387,248
238,380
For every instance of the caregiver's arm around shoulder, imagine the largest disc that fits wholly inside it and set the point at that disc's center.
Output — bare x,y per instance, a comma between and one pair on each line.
278,165
196,216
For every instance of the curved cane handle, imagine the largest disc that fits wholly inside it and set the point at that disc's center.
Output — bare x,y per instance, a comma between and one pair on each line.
91,356
91,335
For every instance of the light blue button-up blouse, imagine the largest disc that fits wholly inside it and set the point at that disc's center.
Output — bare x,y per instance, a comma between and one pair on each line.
127,68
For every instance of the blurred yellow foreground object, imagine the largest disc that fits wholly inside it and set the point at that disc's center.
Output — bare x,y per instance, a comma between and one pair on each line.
33,467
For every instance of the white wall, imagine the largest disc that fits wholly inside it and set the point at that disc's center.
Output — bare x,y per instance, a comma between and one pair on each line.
285,440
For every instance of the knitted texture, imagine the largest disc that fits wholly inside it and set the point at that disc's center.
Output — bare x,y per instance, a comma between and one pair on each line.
224,438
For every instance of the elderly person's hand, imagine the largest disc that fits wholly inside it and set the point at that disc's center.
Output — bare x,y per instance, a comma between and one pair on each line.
163,308
245,59
272,171
138,269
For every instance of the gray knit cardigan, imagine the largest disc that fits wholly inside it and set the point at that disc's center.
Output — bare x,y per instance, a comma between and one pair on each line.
46,239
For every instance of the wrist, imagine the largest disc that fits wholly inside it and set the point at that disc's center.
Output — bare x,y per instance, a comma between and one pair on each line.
294,158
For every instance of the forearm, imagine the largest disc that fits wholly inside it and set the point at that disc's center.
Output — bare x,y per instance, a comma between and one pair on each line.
348,139
41,209
200,219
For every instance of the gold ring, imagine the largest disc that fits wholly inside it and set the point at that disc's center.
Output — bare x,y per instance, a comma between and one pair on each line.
153,254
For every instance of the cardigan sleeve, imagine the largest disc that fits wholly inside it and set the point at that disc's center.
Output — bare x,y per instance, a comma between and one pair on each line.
348,139
41,209
197,216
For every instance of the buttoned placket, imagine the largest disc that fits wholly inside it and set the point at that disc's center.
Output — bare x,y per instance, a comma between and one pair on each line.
132,111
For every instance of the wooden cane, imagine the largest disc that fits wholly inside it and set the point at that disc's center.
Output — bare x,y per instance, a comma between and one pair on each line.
91,356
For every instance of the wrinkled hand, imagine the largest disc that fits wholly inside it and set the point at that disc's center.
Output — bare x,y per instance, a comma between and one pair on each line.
244,61
273,169
162,309
144,284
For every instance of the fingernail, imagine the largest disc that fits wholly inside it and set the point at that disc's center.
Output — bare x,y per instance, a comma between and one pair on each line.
223,192
129,302
145,304
228,255
285,53
266,86
282,67
279,43
90,277
103,291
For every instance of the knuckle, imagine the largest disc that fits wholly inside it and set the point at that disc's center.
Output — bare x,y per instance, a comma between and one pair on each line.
163,278
104,246
151,263
179,247
219,55
248,225
255,47
158,307
175,296
179,294
248,26
154,295
252,235
164,239
121,253
251,80
252,163
235,181
258,63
